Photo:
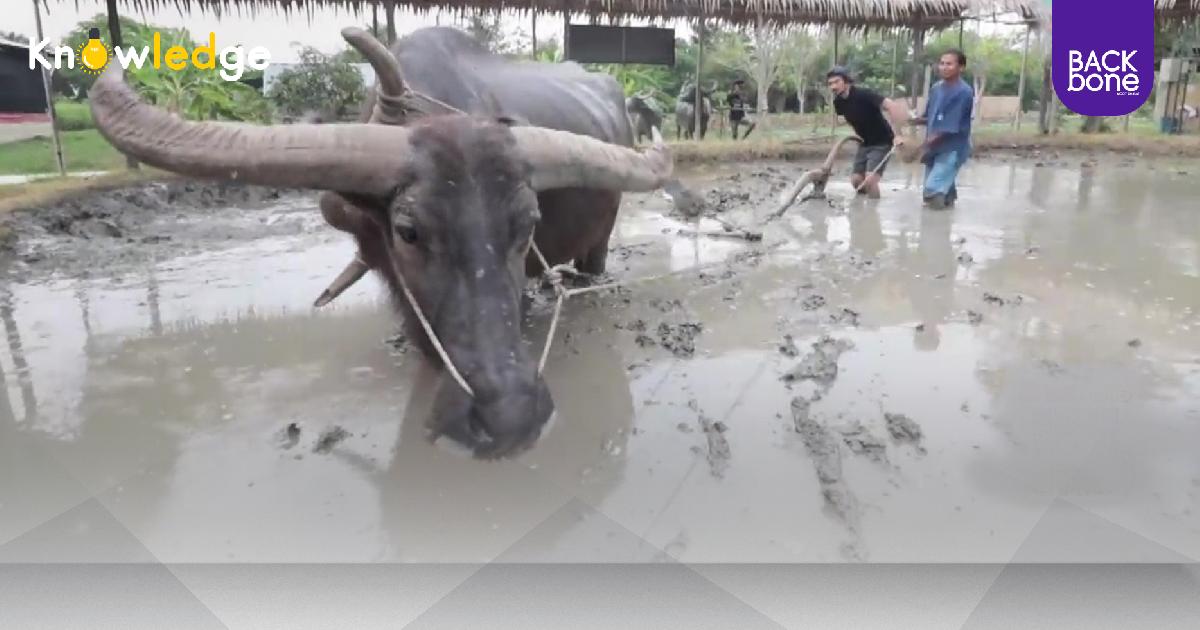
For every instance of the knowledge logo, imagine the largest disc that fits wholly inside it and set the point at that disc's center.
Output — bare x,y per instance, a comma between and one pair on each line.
94,56
1103,57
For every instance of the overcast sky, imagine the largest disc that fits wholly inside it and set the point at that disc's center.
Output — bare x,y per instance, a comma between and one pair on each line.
273,29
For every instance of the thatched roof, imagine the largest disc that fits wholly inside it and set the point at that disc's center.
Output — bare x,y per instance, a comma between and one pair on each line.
1177,9
852,14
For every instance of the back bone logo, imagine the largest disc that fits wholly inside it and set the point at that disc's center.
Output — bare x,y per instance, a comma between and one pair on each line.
1103,61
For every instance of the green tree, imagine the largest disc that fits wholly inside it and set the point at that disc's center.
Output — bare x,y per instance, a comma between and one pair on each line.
323,83
197,93
549,51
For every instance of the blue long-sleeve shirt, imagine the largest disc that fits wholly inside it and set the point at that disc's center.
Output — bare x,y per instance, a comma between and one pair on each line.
948,112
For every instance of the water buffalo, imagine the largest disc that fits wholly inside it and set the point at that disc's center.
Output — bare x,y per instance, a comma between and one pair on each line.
685,112
643,114
463,160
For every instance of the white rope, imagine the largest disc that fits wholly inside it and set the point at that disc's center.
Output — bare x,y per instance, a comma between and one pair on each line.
433,338
554,276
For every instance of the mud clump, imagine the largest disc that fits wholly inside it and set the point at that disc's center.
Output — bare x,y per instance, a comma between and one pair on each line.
719,453
709,279
103,213
398,343
126,227
1053,367
974,318
330,438
684,200
679,339
812,302
289,436
861,442
846,317
819,443
788,347
996,300
666,306
637,325
722,199
820,365
904,429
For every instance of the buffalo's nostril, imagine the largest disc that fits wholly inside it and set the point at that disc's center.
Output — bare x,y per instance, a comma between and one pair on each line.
478,429
496,422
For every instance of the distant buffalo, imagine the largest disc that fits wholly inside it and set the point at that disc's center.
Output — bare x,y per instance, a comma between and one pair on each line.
685,112
643,114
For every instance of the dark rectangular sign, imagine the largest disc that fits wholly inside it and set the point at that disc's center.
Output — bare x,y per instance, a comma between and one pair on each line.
621,44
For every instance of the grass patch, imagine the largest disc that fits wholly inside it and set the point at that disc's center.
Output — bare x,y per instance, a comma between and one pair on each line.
84,150
73,115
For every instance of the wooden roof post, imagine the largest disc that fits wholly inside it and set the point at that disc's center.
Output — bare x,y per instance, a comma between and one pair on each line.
699,107
389,12
1021,81
58,156
533,32
895,59
918,53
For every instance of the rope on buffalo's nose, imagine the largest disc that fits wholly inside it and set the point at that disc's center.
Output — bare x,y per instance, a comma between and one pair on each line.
433,338
553,275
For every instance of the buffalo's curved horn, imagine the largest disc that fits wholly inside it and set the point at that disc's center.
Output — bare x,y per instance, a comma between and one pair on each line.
353,158
358,158
389,107
394,102
351,274
562,159
347,217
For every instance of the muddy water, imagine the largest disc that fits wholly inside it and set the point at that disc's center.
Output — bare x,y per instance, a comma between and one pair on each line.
1016,379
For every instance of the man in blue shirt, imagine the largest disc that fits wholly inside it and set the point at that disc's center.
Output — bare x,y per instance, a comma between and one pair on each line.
948,139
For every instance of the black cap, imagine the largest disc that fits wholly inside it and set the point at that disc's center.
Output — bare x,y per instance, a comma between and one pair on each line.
839,71
94,33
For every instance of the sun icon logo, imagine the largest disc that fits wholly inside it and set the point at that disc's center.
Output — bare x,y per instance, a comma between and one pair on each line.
93,53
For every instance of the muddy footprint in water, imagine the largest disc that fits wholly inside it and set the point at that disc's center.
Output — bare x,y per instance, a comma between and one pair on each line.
826,456
330,438
904,429
289,436
860,441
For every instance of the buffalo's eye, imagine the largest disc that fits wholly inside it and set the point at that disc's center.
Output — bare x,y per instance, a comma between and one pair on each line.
407,233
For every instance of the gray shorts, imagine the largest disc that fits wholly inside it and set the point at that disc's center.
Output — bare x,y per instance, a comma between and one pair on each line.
868,157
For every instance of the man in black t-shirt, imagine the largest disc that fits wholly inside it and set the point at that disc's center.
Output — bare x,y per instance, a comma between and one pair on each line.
737,110
864,110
